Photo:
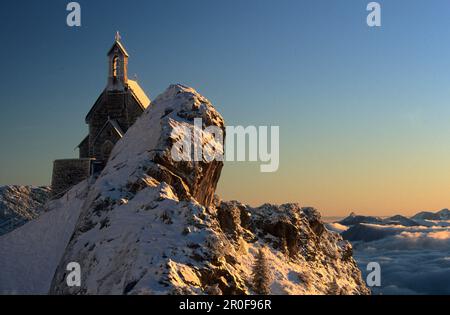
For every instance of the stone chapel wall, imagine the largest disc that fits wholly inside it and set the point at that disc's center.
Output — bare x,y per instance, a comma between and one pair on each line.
68,173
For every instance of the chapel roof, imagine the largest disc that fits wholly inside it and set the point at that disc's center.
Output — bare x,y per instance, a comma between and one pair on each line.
118,44
136,91
139,93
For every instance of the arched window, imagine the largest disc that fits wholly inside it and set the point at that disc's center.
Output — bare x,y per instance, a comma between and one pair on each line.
115,66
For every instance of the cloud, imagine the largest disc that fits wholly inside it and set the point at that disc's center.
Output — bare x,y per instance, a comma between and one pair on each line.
336,227
441,235
416,260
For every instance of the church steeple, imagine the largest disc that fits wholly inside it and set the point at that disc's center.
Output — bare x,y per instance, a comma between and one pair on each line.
118,37
118,66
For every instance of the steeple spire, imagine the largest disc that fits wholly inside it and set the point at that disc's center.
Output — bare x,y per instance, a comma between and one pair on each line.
118,37
118,66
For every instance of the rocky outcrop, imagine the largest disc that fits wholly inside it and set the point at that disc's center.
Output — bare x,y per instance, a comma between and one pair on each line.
196,179
300,235
152,225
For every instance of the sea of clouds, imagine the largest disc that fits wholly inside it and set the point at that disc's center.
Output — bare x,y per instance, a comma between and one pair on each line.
413,260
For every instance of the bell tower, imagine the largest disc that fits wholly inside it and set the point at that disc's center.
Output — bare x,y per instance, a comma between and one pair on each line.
118,66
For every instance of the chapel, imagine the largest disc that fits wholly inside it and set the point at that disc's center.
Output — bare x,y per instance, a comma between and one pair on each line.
116,109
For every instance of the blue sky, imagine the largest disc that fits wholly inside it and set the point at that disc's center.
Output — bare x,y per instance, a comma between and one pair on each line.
364,114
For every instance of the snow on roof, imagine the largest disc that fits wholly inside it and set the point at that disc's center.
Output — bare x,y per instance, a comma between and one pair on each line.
139,93
116,126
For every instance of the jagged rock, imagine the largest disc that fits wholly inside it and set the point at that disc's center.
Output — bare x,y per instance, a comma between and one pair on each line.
230,219
196,179
302,231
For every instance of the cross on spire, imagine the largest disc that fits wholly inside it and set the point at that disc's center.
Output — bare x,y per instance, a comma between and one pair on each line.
118,37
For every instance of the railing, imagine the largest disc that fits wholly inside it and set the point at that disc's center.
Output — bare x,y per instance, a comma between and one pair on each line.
90,180
61,194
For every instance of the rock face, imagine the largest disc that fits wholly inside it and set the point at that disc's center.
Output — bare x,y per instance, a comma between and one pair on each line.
176,110
306,257
19,204
152,225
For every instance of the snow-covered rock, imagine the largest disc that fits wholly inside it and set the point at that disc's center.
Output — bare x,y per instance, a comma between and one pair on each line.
19,204
305,257
164,240
151,225
23,201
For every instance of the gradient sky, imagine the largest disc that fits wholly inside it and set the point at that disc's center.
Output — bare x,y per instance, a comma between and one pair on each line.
364,114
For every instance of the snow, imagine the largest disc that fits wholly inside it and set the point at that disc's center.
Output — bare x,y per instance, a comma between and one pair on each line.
31,253
139,93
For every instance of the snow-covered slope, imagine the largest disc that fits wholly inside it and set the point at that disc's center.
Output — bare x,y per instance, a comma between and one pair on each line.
152,225
31,253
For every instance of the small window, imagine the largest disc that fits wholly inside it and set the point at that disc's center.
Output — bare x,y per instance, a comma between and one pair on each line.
115,66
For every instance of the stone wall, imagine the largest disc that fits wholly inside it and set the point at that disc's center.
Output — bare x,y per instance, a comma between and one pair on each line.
119,106
108,135
67,173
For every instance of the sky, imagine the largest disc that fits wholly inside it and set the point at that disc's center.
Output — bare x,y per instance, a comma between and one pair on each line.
364,113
